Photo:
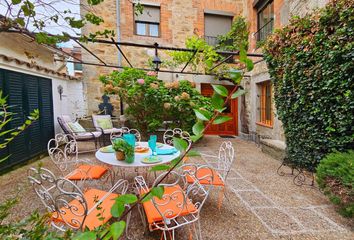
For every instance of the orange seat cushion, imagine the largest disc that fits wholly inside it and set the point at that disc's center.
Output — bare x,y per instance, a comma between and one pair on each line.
201,175
152,214
91,221
87,172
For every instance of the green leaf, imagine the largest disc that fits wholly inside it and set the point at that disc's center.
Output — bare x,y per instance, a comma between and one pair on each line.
196,137
147,197
117,229
217,101
127,198
221,90
238,93
158,191
85,236
198,128
117,209
15,2
193,153
160,168
202,114
20,21
221,109
180,144
221,119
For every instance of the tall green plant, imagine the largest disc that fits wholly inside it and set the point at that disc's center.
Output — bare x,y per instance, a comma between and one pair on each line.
311,65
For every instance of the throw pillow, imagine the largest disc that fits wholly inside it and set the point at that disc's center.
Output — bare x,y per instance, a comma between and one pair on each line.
76,127
105,123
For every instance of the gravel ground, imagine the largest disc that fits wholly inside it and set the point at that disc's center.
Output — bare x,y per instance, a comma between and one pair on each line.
266,205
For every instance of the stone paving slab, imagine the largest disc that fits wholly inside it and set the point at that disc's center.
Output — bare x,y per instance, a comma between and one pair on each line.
267,206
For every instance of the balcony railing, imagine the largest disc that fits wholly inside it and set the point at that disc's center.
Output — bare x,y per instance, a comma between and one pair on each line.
265,31
212,41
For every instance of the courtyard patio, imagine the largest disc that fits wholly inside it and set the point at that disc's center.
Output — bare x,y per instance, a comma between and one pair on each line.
267,206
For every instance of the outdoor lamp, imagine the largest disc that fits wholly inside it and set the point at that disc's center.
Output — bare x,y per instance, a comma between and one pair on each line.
157,61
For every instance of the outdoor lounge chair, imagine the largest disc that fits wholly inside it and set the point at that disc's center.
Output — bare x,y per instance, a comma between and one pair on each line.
80,134
70,207
104,122
180,204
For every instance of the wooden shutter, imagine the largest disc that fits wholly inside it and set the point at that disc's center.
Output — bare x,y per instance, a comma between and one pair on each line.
18,148
46,111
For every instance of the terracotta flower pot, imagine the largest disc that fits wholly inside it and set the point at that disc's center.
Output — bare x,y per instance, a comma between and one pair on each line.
120,156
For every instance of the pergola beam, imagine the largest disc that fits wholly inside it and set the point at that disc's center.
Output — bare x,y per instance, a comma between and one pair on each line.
121,51
99,59
219,63
189,60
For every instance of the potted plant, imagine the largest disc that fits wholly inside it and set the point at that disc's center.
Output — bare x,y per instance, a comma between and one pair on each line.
124,151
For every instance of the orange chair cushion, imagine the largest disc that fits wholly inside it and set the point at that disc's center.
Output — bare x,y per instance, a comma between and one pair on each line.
203,172
91,220
87,172
154,216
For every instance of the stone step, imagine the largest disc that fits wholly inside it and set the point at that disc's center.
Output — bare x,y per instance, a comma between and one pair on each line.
274,148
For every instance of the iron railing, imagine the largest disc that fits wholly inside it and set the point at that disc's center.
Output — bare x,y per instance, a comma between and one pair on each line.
264,31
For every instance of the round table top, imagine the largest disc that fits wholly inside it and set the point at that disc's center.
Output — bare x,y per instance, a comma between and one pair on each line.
110,158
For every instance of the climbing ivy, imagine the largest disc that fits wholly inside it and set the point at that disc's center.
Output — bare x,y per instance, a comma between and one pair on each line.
311,62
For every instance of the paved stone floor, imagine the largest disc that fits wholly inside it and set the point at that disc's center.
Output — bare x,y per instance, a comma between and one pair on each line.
266,205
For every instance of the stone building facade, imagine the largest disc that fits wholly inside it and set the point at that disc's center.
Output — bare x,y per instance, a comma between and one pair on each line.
179,19
280,13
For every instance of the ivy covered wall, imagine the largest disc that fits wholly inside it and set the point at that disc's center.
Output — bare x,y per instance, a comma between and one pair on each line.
311,63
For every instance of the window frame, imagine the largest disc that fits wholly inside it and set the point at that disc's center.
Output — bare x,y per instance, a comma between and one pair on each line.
147,25
259,8
263,103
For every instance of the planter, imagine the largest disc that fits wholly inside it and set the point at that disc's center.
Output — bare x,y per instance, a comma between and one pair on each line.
120,156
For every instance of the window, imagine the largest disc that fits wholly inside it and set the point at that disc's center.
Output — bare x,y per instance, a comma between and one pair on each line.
216,25
265,19
77,67
265,104
148,23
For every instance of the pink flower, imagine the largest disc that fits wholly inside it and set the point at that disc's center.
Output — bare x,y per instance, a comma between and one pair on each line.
141,81
151,73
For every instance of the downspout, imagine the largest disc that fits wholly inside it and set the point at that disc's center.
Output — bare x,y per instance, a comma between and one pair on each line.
119,54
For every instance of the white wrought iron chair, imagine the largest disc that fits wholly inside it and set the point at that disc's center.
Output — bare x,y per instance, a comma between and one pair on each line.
69,206
180,204
177,133
124,130
63,151
221,169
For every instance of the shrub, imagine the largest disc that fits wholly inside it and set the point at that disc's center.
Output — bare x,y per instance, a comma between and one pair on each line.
335,175
152,101
311,63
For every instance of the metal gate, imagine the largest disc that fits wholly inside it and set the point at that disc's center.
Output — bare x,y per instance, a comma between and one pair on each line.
24,94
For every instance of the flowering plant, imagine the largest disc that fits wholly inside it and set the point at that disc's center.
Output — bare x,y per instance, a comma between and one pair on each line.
151,101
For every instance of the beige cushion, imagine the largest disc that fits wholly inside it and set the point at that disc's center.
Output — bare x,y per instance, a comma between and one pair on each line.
95,117
112,130
87,135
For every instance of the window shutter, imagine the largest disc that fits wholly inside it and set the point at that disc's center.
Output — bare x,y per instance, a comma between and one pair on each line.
150,14
216,25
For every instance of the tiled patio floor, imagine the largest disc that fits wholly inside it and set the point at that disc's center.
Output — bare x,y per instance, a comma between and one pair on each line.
267,206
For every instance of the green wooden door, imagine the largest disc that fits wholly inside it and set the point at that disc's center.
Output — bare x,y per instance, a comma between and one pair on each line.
26,93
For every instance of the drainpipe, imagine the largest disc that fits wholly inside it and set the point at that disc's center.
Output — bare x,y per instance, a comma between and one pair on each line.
119,54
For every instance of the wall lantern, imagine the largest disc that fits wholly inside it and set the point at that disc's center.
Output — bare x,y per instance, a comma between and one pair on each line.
60,91
157,61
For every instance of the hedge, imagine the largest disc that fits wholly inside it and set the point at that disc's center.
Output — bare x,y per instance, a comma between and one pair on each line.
311,63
